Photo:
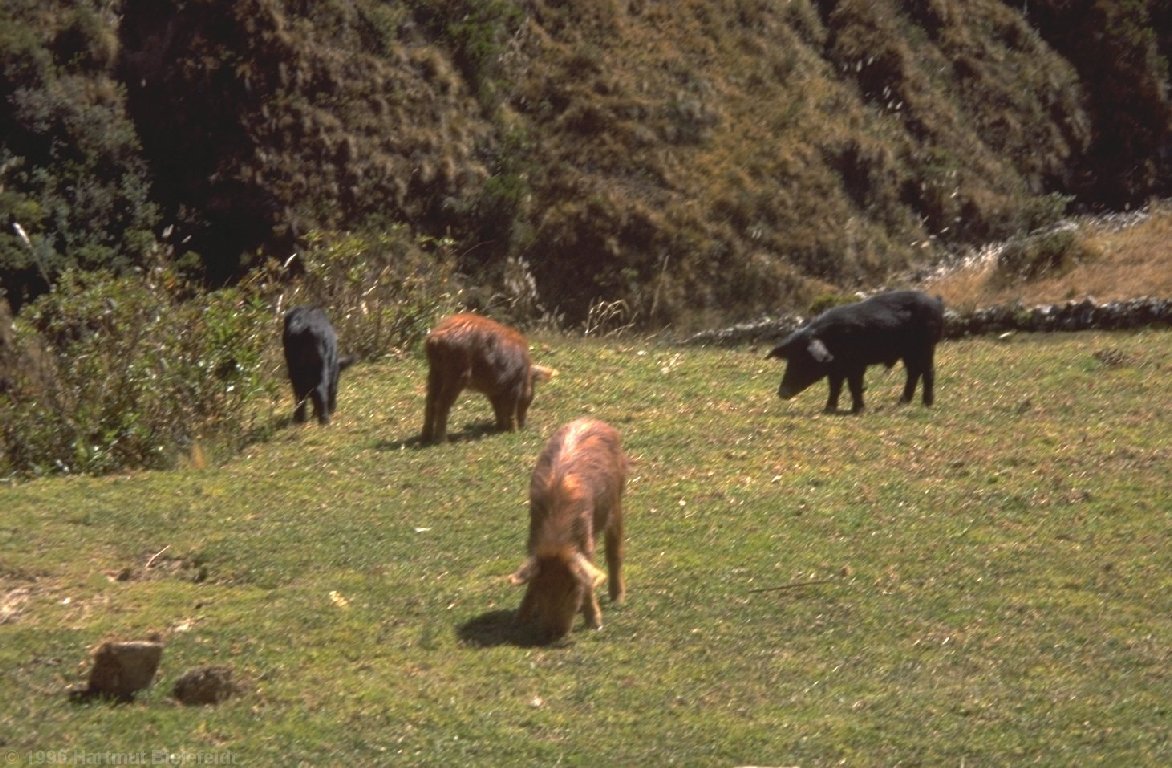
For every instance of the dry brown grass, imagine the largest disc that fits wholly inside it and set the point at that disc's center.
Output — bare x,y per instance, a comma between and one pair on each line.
1134,261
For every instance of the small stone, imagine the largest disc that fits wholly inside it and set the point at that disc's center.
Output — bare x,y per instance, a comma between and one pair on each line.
121,669
205,685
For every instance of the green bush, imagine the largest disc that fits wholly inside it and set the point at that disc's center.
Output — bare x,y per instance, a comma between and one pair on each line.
72,173
382,291
127,377
106,373
1043,254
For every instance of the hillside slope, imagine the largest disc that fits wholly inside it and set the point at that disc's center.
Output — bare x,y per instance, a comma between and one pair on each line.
699,159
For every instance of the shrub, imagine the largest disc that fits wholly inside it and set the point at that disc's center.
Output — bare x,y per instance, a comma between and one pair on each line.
110,373
106,373
381,290
1046,253
71,167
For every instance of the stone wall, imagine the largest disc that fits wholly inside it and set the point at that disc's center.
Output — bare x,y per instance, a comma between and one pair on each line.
1083,315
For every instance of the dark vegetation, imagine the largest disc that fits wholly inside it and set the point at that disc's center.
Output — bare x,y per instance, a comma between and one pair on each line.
674,164
719,156
108,372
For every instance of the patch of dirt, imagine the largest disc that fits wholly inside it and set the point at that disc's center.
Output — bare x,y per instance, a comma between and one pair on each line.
12,604
156,567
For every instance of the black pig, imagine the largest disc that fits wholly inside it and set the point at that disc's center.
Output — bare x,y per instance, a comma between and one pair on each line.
311,357
841,342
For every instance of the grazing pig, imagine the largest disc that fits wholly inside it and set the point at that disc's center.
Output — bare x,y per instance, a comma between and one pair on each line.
470,351
575,493
311,357
841,342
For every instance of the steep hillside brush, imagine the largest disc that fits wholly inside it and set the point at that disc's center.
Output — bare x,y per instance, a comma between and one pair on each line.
719,158
1121,51
732,157
266,120
704,159
75,189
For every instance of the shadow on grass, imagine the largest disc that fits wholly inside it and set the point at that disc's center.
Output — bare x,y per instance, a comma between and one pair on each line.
494,628
871,409
839,412
474,431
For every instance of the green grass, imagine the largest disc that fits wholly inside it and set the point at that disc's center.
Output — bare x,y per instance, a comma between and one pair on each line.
995,575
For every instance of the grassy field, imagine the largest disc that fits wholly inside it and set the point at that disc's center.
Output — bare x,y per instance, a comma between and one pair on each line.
988,582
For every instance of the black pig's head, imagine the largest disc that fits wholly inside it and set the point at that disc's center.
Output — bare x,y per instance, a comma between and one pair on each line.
807,361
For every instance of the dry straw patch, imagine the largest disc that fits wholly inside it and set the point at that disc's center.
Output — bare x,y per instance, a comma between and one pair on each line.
1132,261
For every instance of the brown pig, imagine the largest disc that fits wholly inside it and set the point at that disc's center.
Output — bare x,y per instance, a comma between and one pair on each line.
575,494
474,352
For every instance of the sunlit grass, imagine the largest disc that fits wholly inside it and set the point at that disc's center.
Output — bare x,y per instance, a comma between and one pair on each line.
1132,261
983,582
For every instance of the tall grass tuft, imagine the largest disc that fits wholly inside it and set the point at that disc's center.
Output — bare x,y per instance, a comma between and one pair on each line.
1053,252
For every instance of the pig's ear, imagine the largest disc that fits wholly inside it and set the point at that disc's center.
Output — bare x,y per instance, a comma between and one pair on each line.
783,349
788,345
587,572
819,352
541,373
523,574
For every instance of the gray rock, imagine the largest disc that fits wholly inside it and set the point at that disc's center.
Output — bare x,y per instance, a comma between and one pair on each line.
122,669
